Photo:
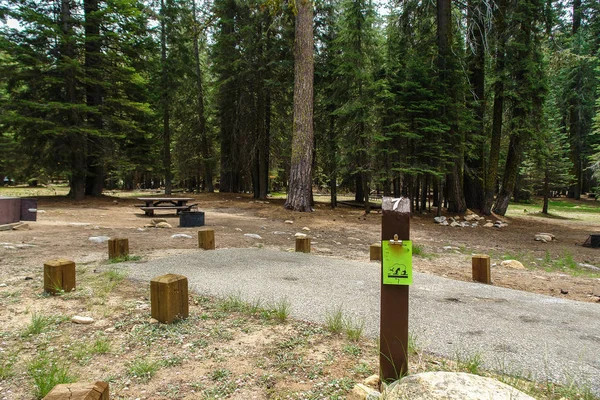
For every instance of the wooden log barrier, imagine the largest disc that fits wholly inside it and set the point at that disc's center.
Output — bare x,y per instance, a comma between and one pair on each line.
59,276
375,252
118,247
169,298
481,268
303,245
79,391
206,239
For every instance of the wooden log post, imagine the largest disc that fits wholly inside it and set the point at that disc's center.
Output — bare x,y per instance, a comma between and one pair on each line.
393,324
303,244
375,252
169,298
118,248
206,239
59,276
481,268
79,391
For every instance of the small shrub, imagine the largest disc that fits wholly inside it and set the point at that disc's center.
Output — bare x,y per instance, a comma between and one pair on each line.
219,374
354,329
39,323
101,346
469,363
7,363
281,311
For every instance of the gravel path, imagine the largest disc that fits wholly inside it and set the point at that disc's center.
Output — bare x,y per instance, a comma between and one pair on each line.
516,332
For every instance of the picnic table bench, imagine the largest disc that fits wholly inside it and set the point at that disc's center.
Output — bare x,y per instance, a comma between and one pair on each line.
152,204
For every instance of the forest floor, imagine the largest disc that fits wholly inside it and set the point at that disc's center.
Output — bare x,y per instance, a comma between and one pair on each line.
244,352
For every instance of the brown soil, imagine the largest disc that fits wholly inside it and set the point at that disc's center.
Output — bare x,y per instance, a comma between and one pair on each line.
220,351
64,228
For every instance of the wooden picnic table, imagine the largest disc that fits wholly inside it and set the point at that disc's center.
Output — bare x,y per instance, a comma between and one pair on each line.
165,203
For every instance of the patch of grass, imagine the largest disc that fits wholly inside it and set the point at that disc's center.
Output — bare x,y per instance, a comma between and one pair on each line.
334,320
362,368
470,363
233,303
7,362
115,275
412,344
101,346
281,310
352,350
354,329
143,368
125,258
220,374
39,323
11,296
47,373
292,342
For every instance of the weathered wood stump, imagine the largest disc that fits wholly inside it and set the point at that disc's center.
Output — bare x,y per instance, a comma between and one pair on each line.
375,252
303,245
79,391
59,276
206,239
481,268
169,298
118,247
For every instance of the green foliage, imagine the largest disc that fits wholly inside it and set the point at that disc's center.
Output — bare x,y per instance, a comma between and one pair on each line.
48,372
143,368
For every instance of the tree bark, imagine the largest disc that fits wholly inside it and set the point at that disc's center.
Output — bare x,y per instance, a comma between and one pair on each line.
491,175
165,97
546,191
511,171
93,64
77,139
298,198
575,120
206,146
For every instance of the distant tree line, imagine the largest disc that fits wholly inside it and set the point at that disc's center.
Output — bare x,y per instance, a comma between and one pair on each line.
458,104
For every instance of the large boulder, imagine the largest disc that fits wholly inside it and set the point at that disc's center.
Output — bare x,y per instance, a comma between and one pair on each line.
512,264
451,386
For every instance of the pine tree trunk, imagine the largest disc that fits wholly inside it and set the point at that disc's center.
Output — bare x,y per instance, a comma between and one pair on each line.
332,158
298,198
77,140
575,119
206,148
165,99
491,175
93,59
511,171
546,191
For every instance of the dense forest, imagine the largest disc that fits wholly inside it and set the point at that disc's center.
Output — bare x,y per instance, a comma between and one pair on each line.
466,104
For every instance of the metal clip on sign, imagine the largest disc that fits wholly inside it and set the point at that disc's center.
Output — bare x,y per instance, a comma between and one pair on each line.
395,241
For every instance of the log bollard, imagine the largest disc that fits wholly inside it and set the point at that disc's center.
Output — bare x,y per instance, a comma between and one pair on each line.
375,252
481,268
59,276
206,239
169,298
79,391
302,245
118,247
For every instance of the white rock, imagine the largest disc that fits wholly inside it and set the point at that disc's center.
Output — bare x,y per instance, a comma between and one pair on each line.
455,224
238,229
444,223
363,392
164,225
372,381
279,233
141,229
450,248
300,235
440,219
180,236
10,247
488,225
543,238
471,217
451,386
288,222
41,211
512,264
589,266
156,221
306,228
79,224
3,285
98,239
77,319
252,235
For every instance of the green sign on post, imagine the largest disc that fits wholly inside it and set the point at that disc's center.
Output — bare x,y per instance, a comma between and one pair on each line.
397,262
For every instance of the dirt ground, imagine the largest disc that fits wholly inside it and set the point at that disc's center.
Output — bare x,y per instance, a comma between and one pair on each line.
63,230
228,349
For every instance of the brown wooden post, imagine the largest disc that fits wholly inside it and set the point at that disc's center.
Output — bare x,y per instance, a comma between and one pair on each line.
59,275
169,298
481,268
375,252
79,391
303,244
118,247
206,239
393,324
